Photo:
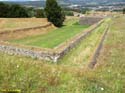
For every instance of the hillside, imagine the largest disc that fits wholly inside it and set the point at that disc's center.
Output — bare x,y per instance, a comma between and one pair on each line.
41,3
71,74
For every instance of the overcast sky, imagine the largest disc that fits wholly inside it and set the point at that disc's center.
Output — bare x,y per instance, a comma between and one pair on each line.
21,0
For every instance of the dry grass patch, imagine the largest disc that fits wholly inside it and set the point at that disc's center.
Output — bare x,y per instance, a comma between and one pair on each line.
15,23
23,34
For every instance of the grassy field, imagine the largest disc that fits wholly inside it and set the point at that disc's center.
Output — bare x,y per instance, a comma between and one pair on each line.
14,23
35,76
88,45
55,37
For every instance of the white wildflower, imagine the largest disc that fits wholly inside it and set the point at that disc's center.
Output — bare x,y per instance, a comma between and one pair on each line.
17,66
109,71
102,89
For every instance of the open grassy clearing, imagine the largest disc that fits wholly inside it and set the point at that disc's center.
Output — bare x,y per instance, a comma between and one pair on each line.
35,76
14,23
55,37
51,77
110,70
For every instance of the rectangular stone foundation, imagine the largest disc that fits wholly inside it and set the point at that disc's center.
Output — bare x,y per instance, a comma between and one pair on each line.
48,54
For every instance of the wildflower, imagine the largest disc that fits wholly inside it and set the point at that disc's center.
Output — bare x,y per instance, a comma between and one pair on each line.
102,89
17,66
109,71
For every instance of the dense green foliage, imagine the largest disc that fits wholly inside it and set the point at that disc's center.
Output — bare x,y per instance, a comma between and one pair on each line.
124,11
83,11
54,13
12,11
17,11
69,13
40,13
31,11
4,9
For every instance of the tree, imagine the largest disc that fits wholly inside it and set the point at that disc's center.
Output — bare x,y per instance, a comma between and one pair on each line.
54,13
17,11
40,13
4,9
124,11
12,11
31,12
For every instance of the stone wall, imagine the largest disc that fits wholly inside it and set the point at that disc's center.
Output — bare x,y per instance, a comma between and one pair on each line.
89,20
67,46
12,50
48,54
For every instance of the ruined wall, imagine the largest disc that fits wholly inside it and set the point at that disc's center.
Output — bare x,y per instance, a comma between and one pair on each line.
48,54
25,29
89,20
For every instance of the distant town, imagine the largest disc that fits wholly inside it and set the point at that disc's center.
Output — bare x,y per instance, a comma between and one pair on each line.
77,4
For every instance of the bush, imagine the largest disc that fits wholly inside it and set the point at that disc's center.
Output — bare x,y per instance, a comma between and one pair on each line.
40,13
69,13
54,13
31,12
84,11
12,11
124,11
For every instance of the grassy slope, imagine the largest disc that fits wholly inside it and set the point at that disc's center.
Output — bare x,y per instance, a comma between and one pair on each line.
47,73
53,38
14,23
34,76
80,56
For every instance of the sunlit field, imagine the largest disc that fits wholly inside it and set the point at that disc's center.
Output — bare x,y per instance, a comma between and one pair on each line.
71,74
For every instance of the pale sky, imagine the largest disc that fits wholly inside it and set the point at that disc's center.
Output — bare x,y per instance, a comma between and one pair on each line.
21,0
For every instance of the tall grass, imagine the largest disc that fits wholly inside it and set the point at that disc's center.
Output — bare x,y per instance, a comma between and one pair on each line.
35,76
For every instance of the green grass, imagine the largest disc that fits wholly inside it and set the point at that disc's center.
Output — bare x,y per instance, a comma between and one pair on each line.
87,46
53,38
35,76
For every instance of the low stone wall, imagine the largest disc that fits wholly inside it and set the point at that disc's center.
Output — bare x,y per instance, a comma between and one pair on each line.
12,50
89,20
48,54
67,46
25,29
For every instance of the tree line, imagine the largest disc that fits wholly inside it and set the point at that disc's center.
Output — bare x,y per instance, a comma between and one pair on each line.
12,11
52,11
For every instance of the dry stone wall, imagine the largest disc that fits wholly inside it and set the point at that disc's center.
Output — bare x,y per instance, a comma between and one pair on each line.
50,54
12,50
89,20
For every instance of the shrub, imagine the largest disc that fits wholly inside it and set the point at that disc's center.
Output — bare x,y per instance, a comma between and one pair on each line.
124,11
84,11
40,13
69,13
